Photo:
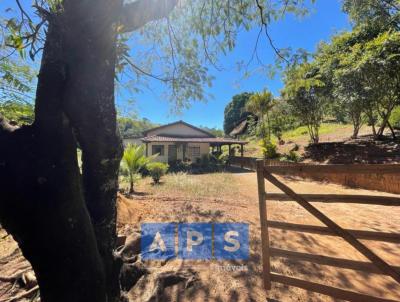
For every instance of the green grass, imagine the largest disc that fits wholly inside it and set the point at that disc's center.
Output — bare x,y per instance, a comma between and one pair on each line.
187,185
299,135
302,131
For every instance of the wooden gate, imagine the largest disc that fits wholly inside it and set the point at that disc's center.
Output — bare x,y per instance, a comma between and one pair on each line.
376,264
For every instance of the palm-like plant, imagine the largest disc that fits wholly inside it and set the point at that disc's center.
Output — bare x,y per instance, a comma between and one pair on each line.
260,104
134,159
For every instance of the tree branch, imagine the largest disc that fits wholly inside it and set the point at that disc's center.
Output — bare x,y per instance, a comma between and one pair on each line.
265,25
136,14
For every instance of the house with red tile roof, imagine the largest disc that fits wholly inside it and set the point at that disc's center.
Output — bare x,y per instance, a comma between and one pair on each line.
184,142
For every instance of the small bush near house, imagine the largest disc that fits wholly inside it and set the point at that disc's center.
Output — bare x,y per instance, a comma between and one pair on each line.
180,166
157,170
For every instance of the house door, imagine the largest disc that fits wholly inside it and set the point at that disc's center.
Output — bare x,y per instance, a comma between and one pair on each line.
172,153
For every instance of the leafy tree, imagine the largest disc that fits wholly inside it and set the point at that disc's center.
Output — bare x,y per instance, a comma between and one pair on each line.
381,62
379,13
305,93
235,111
282,119
347,94
84,46
364,71
133,126
214,131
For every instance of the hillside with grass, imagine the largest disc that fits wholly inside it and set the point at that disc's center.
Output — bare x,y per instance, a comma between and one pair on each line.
335,146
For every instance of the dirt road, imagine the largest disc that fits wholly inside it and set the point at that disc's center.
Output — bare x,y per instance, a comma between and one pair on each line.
232,197
239,204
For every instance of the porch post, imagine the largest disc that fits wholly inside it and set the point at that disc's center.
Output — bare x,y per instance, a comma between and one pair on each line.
147,149
242,152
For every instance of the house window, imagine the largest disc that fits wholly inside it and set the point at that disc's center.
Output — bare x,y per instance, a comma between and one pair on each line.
157,149
194,151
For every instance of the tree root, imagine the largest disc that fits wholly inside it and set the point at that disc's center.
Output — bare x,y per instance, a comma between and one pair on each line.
150,288
22,295
16,276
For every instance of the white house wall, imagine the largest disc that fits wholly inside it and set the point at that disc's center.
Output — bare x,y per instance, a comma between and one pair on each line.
204,150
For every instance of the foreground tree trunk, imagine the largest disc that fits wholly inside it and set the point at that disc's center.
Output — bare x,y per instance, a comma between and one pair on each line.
42,202
64,222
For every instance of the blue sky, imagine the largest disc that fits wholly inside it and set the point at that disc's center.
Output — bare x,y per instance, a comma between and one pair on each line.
325,20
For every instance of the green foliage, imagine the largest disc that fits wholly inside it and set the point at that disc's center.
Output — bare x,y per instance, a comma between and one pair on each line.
282,119
362,66
269,149
220,159
133,160
176,50
301,132
306,94
16,90
214,131
291,156
379,13
261,104
236,111
395,118
133,126
20,113
157,170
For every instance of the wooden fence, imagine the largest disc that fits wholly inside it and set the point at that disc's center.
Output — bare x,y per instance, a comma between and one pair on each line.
385,178
265,170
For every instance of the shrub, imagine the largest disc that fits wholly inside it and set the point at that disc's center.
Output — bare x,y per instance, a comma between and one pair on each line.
269,150
395,118
157,170
292,156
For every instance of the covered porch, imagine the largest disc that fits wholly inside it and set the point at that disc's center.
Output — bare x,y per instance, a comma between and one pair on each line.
172,149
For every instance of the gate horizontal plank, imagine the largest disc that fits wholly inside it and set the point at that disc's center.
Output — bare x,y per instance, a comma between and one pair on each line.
336,168
337,198
314,229
330,261
327,290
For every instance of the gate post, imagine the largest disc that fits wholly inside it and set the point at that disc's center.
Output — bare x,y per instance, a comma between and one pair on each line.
263,224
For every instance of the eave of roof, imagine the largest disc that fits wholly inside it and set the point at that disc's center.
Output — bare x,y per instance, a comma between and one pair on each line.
211,140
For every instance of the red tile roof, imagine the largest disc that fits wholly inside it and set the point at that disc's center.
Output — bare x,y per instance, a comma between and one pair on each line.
211,140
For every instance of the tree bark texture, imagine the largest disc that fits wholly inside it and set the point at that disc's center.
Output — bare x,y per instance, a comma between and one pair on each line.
65,221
